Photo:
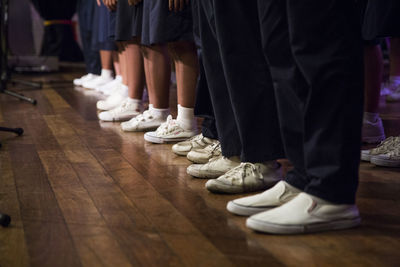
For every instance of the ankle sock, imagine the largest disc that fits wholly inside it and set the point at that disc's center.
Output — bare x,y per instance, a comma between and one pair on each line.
371,117
106,73
185,118
159,112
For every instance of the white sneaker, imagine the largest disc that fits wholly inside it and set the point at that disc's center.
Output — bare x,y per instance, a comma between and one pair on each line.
85,78
305,214
384,147
214,168
203,155
395,95
97,82
143,122
247,177
278,195
389,159
113,100
126,111
169,131
196,142
108,88
372,132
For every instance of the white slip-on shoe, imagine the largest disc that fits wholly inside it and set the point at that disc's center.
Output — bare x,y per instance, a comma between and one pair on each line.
97,82
126,111
384,147
196,142
389,159
143,122
214,168
168,132
114,100
373,132
274,197
84,78
305,214
203,155
247,177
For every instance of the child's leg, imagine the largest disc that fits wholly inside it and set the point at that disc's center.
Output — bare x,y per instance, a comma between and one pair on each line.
187,70
135,70
158,74
117,66
106,60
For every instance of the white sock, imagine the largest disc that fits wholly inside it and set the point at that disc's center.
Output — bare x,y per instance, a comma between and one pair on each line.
185,117
134,101
123,90
394,79
371,117
106,73
118,78
159,112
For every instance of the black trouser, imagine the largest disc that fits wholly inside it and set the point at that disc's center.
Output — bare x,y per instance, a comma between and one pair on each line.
238,77
315,53
86,19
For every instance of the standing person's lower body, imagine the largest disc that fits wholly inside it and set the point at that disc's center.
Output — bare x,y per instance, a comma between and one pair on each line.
315,53
91,55
242,97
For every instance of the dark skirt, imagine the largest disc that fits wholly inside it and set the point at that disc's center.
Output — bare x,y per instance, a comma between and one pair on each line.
128,21
103,29
162,26
382,19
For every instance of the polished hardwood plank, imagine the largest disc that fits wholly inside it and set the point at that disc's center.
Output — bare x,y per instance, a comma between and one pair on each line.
83,193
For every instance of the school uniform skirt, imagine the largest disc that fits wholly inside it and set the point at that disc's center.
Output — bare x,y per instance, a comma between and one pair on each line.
381,19
128,21
104,28
162,26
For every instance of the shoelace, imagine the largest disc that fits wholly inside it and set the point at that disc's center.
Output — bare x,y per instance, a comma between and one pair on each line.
242,171
385,144
395,152
214,147
145,116
120,108
168,127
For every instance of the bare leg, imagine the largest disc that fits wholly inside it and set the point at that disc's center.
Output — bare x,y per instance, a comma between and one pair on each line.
134,69
117,67
395,57
158,74
106,59
373,77
187,71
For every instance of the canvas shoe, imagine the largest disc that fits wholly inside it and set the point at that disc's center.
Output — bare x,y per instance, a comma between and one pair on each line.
108,88
114,100
389,159
85,78
143,122
372,132
247,177
169,131
126,111
278,195
384,147
97,82
203,155
214,168
395,95
305,214
196,142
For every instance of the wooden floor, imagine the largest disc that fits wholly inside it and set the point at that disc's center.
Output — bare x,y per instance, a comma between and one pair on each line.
83,193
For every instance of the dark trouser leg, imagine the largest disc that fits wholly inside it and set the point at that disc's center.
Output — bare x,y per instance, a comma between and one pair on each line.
327,51
225,122
250,90
86,20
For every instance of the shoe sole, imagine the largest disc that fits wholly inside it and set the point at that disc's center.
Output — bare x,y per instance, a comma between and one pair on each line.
179,153
271,228
122,119
365,157
385,162
158,140
198,174
197,160
217,187
141,129
237,209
